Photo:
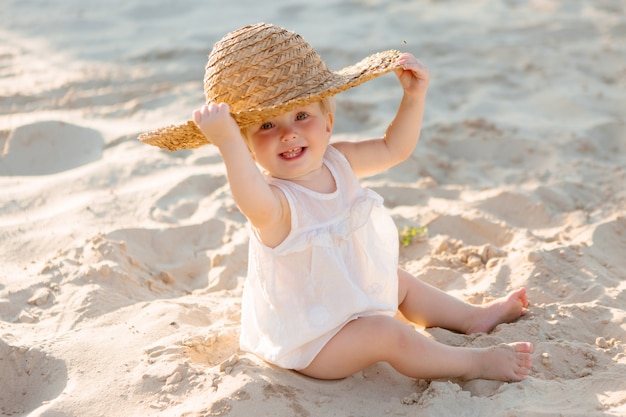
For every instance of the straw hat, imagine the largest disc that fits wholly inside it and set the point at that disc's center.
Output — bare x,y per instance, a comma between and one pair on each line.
262,71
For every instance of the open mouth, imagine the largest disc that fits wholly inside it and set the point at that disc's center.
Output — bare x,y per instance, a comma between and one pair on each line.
293,153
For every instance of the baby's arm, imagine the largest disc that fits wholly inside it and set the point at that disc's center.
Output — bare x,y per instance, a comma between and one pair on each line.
376,155
260,203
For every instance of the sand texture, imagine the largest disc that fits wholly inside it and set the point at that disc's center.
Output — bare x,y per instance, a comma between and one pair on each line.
122,265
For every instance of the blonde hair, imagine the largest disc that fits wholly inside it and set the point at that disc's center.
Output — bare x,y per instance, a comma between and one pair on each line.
327,104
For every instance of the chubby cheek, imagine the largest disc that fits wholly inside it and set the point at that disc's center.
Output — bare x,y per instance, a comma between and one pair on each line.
260,150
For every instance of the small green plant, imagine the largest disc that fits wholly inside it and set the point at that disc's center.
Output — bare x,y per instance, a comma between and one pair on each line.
410,234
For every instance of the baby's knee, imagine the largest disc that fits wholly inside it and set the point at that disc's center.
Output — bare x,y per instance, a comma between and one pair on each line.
390,333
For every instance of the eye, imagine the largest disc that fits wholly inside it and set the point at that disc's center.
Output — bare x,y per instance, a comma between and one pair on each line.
267,125
301,116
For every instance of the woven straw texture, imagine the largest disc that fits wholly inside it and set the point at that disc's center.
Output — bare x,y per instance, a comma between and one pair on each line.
262,71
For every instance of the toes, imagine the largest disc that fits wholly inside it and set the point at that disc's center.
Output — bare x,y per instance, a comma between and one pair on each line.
524,361
520,295
523,347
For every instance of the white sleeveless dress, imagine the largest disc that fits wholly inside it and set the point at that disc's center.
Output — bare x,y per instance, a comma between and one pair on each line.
338,263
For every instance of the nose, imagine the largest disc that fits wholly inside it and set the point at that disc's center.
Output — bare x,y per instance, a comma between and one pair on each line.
288,133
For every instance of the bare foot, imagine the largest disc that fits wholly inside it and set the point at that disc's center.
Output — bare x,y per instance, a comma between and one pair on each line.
502,310
509,363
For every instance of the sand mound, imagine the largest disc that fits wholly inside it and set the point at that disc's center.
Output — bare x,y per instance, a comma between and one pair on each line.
49,147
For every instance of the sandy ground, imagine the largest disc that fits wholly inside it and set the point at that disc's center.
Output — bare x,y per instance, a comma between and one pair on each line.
121,265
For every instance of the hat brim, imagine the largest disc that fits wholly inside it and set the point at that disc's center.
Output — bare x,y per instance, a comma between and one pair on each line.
189,136
175,137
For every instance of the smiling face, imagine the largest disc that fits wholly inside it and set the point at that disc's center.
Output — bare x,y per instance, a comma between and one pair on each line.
291,146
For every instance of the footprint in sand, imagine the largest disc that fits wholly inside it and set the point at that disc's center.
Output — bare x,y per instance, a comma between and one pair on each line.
517,210
470,231
609,245
181,202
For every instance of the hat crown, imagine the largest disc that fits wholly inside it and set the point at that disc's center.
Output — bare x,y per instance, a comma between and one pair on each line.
261,66
262,71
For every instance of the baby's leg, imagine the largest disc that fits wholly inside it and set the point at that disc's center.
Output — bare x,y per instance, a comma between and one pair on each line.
428,306
367,340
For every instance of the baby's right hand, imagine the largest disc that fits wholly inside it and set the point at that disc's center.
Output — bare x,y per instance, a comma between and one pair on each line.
216,123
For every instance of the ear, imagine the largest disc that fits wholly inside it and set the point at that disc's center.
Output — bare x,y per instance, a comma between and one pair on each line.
330,122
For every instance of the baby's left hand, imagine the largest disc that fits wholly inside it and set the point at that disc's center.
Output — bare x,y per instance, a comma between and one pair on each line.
413,75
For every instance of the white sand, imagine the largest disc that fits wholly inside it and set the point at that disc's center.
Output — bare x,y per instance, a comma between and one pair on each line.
121,266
